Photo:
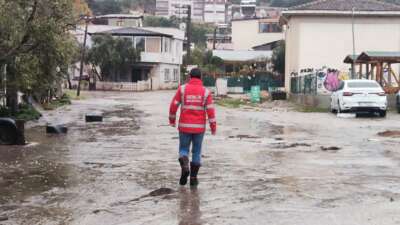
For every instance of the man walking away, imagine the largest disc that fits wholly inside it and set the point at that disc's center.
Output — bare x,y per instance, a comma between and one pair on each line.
196,105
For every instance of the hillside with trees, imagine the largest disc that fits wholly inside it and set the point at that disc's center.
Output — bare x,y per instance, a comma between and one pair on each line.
101,7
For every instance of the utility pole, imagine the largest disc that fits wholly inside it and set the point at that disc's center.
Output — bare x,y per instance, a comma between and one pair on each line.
189,34
83,55
5,85
353,66
215,38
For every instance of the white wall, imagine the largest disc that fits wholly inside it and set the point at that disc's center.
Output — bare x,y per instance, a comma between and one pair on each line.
313,42
214,13
125,22
173,56
159,80
245,35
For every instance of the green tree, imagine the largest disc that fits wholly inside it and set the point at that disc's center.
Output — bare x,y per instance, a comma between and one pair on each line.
206,61
199,31
101,7
155,21
114,56
34,41
278,58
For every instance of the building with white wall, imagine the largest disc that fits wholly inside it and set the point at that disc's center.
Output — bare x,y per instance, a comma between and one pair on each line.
121,20
320,34
252,32
168,8
161,54
215,11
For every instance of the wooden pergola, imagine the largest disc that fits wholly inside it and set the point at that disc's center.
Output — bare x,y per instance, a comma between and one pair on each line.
375,65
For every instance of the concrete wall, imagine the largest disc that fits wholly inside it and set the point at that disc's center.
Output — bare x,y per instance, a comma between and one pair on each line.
320,101
324,101
245,35
160,81
314,42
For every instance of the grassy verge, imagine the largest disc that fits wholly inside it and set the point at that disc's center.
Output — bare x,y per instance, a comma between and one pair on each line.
26,112
231,103
72,95
237,103
64,100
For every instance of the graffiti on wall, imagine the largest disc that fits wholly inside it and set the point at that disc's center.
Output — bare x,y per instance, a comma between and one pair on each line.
328,80
317,81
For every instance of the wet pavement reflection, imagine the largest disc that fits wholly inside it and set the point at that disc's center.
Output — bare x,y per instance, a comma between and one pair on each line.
189,206
263,167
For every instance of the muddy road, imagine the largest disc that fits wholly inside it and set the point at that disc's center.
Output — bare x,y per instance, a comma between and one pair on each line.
269,166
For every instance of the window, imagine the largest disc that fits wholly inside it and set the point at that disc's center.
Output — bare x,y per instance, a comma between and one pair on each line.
177,47
153,44
176,75
265,27
167,45
140,43
166,75
120,23
341,85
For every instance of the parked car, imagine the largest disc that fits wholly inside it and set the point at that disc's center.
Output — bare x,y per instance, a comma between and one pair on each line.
359,96
398,101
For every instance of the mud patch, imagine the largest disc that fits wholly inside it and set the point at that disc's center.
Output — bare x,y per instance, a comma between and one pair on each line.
390,133
104,165
332,148
161,191
3,218
245,136
293,145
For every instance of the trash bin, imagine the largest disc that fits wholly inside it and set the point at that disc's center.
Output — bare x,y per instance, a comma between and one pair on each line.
255,94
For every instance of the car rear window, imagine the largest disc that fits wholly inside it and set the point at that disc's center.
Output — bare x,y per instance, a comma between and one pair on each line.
362,85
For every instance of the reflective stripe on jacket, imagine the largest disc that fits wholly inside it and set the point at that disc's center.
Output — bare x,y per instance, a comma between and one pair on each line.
196,105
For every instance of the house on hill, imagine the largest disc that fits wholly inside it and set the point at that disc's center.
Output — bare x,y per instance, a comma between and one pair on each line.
320,33
161,54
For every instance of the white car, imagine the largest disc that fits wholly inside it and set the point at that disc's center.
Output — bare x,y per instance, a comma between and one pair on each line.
359,96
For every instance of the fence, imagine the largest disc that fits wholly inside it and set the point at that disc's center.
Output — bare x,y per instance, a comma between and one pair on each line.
123,86
307,84
266,81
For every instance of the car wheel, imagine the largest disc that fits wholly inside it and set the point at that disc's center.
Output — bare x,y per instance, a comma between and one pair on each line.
382,113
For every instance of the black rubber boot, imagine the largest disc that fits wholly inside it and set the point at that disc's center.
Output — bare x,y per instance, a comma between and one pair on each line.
194,170
184,162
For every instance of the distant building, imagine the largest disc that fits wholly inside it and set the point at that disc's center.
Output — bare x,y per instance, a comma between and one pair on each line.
168,8
248,10
320,34
251,32
120,20
215,11
221,40
161,53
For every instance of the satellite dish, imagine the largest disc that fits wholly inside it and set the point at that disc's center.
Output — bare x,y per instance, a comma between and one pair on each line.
182,26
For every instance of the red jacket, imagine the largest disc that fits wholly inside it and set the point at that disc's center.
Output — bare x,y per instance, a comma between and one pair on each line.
196,105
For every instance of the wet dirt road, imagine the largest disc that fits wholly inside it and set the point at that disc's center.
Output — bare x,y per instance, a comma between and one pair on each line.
263,167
